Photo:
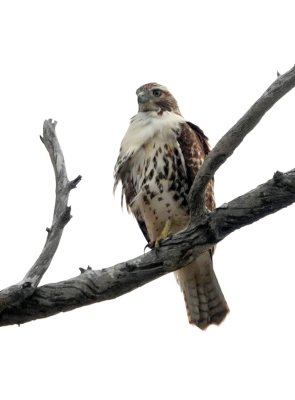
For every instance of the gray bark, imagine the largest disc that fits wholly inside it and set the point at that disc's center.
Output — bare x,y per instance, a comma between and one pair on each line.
26,301
233,138
14,295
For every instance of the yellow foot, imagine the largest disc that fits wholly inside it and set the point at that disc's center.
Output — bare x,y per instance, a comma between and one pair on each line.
164,234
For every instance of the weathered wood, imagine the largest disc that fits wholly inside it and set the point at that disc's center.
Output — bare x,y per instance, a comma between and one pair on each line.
233,138
99,285
16,294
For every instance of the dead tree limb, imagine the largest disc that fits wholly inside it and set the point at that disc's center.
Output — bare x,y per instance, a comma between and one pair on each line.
16,294
105,284
231,140
25,301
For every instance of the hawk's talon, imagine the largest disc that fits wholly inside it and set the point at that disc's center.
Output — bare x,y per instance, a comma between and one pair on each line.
149,245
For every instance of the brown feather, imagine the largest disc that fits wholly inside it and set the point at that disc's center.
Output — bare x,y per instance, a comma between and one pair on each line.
194,146
204,300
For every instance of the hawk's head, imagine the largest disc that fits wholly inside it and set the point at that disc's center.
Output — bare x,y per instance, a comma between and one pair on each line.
155,97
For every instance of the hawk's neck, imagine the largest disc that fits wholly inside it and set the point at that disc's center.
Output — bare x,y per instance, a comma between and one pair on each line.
145,126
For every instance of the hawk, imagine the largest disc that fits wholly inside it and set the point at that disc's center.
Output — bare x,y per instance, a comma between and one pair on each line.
159,157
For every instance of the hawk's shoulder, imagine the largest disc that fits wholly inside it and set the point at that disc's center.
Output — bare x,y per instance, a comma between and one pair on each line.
194,146
201,136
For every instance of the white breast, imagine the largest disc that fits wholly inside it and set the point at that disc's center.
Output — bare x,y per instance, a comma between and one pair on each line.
145,125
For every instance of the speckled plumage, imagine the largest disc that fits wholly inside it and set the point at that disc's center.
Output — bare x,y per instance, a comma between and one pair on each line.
159,157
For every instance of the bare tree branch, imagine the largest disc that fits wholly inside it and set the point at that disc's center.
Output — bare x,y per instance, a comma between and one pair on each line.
95,286
25,301
231,140
14,295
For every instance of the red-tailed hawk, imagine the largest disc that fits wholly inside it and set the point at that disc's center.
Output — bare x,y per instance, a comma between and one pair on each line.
160,155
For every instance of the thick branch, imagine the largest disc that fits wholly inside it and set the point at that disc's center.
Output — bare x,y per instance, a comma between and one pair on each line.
14,295
95,286
231,140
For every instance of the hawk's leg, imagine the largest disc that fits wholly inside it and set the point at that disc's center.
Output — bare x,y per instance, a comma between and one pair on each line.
166,231
172,225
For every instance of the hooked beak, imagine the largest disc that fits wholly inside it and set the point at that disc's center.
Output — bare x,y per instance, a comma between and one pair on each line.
142,97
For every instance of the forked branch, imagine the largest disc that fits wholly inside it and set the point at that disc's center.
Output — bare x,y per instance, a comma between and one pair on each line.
14,295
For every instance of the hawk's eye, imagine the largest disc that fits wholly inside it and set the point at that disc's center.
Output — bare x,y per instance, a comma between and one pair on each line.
157,92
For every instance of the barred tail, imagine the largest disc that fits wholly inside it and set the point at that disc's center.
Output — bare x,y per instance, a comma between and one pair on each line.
203,297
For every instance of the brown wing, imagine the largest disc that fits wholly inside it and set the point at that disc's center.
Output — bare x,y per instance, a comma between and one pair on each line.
194,146
202,137
128,191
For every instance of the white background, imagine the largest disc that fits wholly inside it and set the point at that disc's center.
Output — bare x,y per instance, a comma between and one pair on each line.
80,63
